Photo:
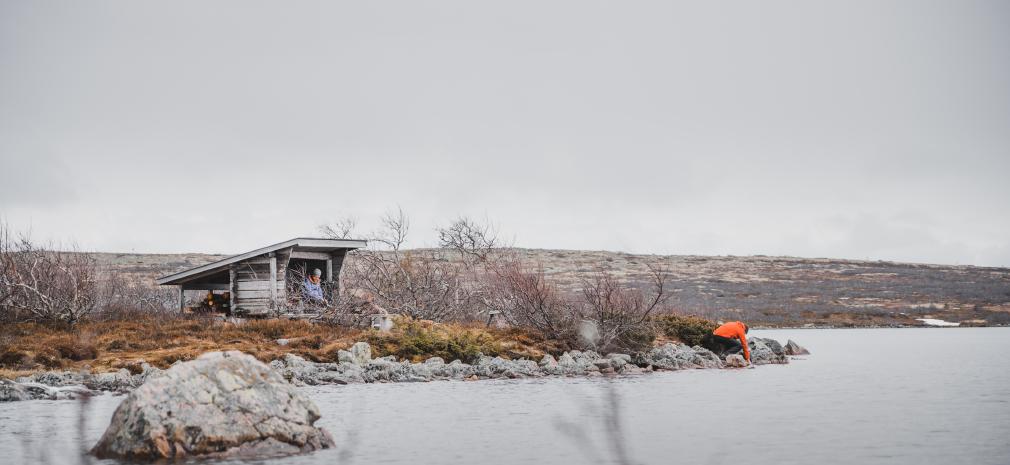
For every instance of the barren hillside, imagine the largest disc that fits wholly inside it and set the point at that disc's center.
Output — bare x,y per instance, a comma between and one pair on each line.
764,290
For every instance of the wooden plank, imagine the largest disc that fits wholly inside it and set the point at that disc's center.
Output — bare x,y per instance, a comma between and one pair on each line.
182,298
329,270
310,255
256,261
266,294
261,285
273,278
205,287
261,269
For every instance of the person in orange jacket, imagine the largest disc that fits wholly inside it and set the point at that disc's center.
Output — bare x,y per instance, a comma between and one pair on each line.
729,338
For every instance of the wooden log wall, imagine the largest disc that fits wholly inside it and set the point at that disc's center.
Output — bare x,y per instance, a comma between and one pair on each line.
252,283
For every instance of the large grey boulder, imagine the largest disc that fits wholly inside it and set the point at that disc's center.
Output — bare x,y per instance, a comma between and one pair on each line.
222,403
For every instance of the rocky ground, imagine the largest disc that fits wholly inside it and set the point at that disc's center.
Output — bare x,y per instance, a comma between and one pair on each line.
358,366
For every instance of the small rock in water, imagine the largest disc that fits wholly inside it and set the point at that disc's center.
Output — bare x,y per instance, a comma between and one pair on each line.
793,348
223,404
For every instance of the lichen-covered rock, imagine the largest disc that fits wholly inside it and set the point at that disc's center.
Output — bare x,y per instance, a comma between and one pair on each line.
422,371
26,389
619,360
669,356
567,365
117,381
766,351
222,403
11,391
57,378
457,370
361,353
526,368
493,367
793,348
705,358
344,356
735,361
296,369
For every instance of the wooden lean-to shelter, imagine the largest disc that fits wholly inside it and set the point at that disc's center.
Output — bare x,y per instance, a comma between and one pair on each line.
266,281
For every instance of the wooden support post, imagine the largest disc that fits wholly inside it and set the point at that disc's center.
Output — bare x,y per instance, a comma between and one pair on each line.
331,284
182,298
232,288
273,280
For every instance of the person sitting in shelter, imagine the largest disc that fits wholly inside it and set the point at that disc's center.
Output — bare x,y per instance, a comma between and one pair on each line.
312,288
729,338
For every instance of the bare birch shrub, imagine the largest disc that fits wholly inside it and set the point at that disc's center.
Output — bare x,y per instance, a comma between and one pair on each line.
121,299
524,297
45,285
473,274
420,284
7,267
621,314
476,242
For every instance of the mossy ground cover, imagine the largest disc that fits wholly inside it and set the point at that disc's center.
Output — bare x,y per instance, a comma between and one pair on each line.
687,329
110,345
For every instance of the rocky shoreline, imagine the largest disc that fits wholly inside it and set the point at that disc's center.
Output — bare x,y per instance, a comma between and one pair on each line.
357,366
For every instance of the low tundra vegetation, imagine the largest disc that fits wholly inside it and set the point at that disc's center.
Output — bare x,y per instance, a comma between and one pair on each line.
687,329
61,310
111,345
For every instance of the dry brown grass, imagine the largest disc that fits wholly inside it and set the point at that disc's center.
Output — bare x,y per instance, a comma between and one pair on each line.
110,345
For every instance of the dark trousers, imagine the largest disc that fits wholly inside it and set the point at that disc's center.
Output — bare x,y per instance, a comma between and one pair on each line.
722,346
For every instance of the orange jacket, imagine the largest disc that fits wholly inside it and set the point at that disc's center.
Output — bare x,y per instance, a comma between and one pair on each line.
735,330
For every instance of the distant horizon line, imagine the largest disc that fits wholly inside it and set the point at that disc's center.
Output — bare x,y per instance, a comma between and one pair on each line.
794,257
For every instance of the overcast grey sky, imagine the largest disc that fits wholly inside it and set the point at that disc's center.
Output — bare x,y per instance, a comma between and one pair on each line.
853,129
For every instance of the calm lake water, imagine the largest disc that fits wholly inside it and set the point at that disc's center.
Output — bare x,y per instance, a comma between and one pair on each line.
909,396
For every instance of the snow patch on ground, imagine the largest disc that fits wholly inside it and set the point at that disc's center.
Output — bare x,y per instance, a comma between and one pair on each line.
935,322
